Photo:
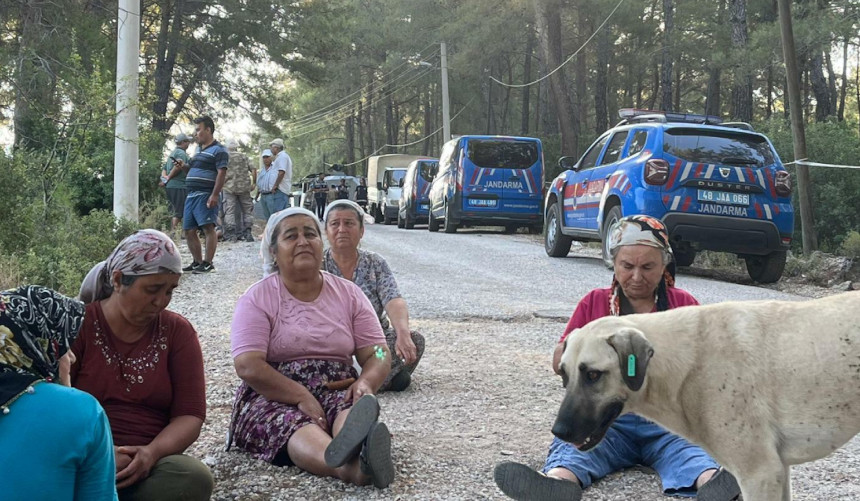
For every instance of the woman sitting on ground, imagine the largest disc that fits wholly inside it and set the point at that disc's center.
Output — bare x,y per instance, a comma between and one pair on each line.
293,337
55,441
145,366
639,246
344,226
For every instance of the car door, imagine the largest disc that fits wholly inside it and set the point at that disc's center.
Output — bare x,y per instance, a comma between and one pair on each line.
600,174
445,175
575,191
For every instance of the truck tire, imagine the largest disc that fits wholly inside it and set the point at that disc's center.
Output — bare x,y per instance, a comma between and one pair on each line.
409,223
766,269
400,222
432,223
449,226
377,214
685,257
556,243
385,219
612,216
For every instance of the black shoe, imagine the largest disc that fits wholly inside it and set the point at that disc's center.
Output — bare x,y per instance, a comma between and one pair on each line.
347,443
375,460
721,487
248,237
520,482
203,267
400,381
192,266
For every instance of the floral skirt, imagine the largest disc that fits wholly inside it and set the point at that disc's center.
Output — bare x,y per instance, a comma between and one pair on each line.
263,427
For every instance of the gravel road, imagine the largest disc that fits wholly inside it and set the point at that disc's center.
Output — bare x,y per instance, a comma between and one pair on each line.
491,307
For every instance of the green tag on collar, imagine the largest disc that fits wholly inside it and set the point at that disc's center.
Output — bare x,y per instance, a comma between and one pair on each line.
631,365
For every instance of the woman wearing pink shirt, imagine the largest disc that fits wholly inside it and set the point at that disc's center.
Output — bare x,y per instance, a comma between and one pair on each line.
293,337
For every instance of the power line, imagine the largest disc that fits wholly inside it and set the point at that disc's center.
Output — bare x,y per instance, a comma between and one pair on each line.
566,60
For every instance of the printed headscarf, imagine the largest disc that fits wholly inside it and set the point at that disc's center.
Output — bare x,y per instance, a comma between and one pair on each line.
37,327
144,252
269,264
641,230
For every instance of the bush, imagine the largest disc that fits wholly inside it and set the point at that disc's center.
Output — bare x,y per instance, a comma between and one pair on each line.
851,245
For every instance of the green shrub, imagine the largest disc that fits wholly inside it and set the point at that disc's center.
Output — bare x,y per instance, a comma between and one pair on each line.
851,245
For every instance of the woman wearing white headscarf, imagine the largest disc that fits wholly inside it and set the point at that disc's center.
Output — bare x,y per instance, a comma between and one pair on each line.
293,337
143,363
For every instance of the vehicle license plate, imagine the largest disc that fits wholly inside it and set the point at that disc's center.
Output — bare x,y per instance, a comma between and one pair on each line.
482,202
425,206
724,197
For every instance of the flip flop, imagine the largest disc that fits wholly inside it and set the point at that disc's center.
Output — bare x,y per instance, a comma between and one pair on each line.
520,482
376,456
347,444
721,487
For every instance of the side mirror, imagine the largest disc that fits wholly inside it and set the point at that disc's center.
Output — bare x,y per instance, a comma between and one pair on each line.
379,185
567,163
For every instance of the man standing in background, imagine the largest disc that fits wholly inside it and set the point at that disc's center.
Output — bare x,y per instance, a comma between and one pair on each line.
173,179
238,205
207,171
272,199
283,163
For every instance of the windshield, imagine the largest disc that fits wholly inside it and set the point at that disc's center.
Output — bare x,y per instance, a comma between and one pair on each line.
394,177
495,154
717,147
428,170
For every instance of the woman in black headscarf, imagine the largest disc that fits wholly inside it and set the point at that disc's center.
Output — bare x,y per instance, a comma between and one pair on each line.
55,442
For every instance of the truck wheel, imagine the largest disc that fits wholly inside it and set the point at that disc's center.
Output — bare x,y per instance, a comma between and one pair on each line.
766,269
685,257
432,223
400,222
556,243
610,219
385,219
449,227
510,229
377,214
409,223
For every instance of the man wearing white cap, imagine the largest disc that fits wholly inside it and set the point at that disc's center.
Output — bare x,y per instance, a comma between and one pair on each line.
272,199
282,163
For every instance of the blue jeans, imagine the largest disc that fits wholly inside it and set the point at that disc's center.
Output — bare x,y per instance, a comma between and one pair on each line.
273,202
633,440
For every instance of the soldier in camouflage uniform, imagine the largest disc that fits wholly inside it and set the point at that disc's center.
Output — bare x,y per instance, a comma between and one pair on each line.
238,204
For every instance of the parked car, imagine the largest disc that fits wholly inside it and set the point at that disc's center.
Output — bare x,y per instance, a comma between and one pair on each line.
415,195
384,175
716,186
488,180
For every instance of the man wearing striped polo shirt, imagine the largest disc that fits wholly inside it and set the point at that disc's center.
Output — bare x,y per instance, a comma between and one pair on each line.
207,171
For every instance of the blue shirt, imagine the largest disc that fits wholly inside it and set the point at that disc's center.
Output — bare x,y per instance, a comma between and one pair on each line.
55,445
204,166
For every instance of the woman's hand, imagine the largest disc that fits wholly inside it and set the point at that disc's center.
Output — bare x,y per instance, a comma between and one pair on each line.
405,348
122,460
358,389
142,461
312,409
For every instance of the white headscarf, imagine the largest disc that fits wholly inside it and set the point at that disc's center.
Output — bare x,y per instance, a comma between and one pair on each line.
269,265
342,204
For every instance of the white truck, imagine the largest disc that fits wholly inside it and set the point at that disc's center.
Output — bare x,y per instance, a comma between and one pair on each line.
385,174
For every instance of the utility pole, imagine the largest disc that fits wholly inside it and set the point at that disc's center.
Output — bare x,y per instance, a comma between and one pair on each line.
126,137
798,132
446,111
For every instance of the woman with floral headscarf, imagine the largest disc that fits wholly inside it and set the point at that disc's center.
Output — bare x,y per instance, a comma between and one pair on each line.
55,441
293,337
642,283
145,366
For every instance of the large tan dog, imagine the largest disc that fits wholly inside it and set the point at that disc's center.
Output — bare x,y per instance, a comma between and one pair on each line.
760,385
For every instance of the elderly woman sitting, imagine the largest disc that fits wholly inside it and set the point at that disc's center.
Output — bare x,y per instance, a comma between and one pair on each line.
145,366
639,246
344,226
293,336
55,441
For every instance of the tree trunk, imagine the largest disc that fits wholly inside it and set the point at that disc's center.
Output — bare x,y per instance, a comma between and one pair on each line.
601,115
548,20
527,76
167,47
844,84
361,145
666,69
368,113
428,122
349,129
823,105
390,126
713,106
741,108
831,82
769,91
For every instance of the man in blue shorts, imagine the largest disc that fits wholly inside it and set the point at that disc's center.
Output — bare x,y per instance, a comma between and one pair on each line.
207,171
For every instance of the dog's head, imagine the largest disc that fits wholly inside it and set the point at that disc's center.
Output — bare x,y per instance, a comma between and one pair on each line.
602,364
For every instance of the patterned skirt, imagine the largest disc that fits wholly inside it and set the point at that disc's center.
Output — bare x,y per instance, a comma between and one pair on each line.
263,427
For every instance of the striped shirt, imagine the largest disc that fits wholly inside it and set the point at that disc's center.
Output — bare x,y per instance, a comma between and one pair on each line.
204,167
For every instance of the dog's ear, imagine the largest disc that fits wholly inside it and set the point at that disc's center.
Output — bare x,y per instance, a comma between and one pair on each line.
634,352
561,371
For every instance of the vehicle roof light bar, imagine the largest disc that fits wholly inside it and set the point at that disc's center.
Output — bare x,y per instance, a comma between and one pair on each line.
633,115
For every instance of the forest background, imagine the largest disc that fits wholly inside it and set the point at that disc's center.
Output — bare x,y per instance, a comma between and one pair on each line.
344,79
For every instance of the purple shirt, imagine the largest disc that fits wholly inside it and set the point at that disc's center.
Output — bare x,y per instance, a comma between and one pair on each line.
333,326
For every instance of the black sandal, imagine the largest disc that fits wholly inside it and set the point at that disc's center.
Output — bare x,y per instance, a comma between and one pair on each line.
721,487
520,482
375,459
346,444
